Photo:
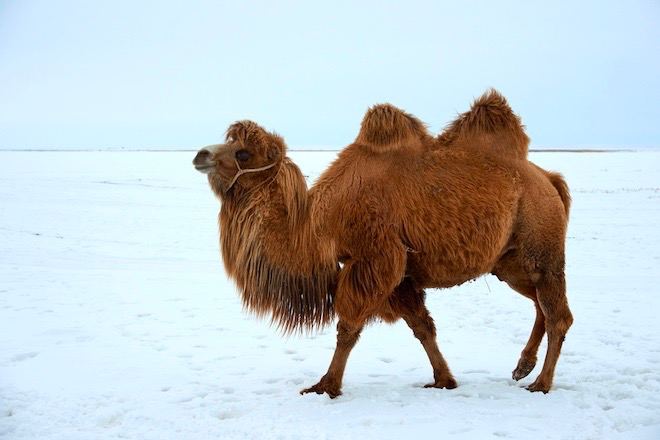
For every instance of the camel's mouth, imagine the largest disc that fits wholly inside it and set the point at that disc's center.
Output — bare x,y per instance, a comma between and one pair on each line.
203,161
204,168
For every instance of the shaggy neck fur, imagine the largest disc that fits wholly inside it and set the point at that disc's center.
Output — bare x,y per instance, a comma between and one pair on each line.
272,250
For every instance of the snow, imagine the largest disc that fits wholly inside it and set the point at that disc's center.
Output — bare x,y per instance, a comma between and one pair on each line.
117,319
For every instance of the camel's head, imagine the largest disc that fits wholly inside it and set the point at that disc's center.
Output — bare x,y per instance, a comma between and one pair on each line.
249,156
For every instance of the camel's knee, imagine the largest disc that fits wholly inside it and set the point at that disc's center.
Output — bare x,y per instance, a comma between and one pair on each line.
558,317
425,331
347,334
559,323
422,327
567,319
551,294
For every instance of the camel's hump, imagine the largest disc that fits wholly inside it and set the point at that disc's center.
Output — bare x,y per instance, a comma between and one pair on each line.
386,127
489,125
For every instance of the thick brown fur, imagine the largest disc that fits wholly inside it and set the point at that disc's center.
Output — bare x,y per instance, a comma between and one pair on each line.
386,128
561,186
401,211
490,126
265,235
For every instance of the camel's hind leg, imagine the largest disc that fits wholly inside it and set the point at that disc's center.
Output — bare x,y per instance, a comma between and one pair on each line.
527,360
509,270
347,337
551,293
548,291
408,302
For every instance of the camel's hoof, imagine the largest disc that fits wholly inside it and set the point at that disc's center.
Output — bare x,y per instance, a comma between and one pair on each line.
538,386
449,383
323,387
523,369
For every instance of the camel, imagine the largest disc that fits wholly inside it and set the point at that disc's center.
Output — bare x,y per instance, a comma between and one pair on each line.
397,212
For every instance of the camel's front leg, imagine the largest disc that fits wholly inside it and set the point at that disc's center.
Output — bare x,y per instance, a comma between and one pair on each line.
362,287
408,301
347,337
424,330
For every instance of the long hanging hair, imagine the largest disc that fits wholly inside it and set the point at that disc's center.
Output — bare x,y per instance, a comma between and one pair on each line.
271,249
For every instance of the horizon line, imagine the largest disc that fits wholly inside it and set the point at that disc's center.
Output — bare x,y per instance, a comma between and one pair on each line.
303,150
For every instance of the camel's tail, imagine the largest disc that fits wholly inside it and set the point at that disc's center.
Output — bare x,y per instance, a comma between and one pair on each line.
561,186
387,128
490,126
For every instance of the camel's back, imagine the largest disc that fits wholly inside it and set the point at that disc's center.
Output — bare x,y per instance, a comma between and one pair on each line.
452,213
467,218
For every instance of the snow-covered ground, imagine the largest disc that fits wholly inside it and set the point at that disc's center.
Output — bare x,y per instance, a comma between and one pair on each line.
117,320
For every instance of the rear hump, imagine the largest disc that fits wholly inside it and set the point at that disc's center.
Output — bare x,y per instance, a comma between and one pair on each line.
489,126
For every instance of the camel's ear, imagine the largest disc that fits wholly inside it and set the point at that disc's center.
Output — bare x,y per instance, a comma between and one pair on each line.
387,128
276,148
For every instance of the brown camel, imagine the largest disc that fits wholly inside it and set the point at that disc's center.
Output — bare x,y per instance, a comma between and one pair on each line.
397,212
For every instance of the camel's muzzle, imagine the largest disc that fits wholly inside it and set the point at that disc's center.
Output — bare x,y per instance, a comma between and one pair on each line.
203,161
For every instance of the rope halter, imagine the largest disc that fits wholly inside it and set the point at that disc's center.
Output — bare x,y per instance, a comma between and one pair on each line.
242,171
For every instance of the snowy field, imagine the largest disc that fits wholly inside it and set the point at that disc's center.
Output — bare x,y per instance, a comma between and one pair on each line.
117,320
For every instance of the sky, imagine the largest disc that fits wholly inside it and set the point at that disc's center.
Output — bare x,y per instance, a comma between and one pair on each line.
142,74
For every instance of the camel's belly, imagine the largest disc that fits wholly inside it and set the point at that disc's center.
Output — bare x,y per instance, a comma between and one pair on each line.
433,271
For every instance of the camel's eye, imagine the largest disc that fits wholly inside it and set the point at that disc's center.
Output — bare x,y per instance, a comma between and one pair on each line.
242,155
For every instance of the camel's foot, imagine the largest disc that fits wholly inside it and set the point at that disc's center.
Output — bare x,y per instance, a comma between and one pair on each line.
524,367
331,387
448,382
539,385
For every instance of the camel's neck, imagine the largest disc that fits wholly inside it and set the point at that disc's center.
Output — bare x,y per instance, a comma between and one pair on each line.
272,250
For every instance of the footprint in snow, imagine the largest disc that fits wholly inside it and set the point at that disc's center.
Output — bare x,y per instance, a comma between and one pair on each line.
265,392
229,414
476,372
24,356
190,398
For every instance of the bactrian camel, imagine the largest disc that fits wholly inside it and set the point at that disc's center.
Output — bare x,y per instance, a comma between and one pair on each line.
397,212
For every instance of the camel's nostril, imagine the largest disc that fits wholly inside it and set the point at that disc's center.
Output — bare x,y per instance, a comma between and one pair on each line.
202,158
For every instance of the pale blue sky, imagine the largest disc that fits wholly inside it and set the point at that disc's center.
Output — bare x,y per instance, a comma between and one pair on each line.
164,73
